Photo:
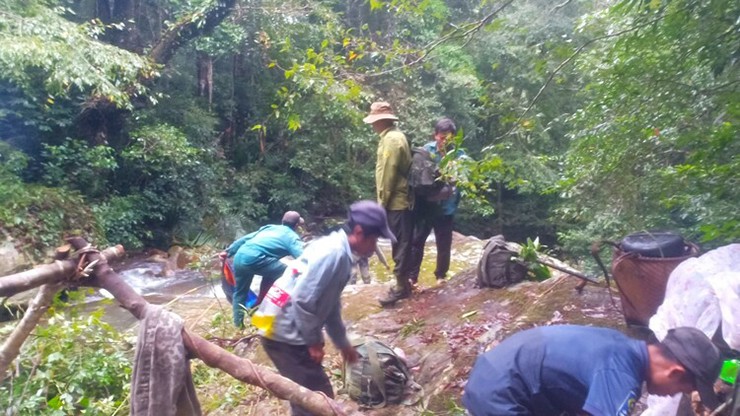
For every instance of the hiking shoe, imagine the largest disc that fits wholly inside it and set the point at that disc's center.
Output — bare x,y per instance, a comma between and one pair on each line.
441,280
393,297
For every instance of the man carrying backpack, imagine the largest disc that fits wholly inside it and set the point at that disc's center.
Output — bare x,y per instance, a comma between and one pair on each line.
260,253
391,182
295,344
436,209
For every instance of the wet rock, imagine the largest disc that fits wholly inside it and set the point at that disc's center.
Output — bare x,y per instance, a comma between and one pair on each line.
11,260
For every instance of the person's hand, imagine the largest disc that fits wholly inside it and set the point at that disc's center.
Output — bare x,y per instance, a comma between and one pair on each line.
350,355
222,255
316,352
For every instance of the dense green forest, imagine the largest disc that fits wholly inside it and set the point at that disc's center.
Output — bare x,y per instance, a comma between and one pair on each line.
149,123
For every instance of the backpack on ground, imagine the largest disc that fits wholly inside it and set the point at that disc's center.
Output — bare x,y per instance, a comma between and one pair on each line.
495,268
424,177
378,378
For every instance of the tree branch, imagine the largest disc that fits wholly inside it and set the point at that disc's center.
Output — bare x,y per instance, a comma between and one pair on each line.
561,66
458,33
189,28
36,309
47,273
560,6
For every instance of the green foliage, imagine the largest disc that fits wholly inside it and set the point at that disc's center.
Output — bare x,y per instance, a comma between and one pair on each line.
122,220
38,217
39,46
73,365
529,254
654,147
159,149
76,165
592,138
162,169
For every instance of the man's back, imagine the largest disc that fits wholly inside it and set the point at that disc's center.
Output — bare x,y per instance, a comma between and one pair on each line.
272,241
391,170
548,370
316,297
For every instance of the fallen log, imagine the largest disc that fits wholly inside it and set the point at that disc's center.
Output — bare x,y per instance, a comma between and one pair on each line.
36,310
54,272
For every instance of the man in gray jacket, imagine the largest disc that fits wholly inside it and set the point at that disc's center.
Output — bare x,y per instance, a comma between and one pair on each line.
296,342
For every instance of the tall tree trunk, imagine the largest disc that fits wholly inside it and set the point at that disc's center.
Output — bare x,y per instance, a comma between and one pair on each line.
125,12
102,11
205,77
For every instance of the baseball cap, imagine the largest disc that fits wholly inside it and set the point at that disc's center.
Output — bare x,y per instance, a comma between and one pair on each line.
370,214
292,218
697,354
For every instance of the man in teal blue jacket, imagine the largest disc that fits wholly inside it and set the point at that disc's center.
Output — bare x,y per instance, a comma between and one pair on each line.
260,253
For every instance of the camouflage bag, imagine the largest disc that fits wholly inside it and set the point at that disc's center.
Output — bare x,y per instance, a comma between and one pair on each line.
378,378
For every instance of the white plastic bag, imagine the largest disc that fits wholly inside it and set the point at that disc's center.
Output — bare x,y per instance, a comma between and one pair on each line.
701,292
277,297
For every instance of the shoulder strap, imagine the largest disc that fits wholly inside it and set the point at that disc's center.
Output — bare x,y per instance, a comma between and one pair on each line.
491,245
376,372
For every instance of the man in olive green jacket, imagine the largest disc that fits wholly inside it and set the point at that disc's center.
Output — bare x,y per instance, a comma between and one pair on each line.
391,182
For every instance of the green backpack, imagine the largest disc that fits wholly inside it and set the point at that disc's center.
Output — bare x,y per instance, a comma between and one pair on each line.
378,378
496,267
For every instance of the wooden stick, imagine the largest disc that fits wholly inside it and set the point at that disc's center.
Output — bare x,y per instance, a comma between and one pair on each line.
568,271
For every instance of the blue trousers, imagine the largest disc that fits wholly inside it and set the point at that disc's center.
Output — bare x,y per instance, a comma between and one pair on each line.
270,268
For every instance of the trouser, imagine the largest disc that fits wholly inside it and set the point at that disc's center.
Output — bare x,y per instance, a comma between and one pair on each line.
401,224
295,363
423,225
362,267
270,268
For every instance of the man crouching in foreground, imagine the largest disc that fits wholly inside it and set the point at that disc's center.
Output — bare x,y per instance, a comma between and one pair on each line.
296,344
588,371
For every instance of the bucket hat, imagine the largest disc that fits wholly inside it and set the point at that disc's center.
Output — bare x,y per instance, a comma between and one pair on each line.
380,110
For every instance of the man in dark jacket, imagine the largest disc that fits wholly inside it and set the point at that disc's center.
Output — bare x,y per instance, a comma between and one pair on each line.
436,214
588,371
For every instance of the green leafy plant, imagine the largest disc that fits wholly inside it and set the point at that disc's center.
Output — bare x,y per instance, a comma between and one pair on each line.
37,216
529,255
76,165
72,365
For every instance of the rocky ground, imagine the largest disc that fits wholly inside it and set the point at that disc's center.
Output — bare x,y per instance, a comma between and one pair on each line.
441,329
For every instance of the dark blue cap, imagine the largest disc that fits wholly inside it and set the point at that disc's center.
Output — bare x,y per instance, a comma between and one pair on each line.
370,215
